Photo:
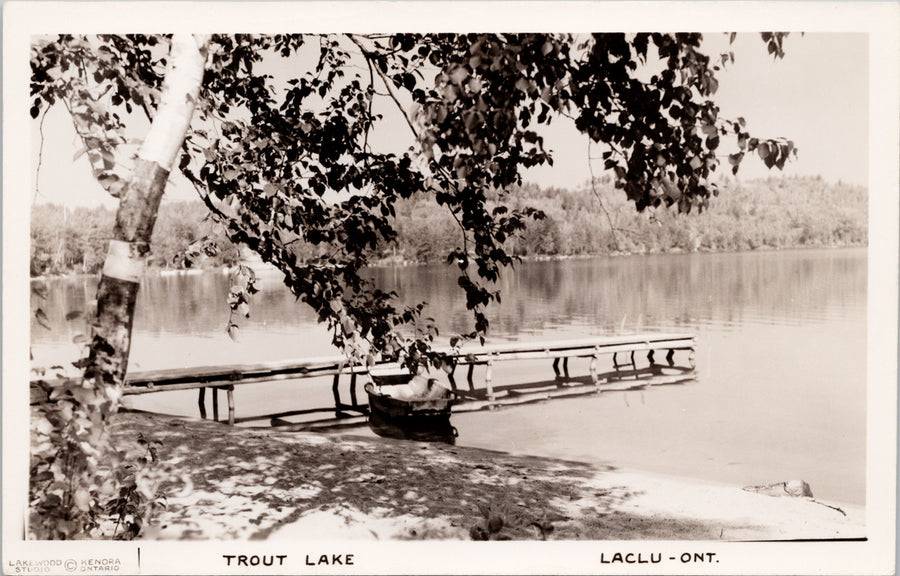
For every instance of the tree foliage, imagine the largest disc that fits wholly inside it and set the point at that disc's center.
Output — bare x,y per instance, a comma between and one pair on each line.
283,158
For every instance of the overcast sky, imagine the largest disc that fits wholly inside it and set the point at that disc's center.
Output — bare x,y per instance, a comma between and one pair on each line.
817,96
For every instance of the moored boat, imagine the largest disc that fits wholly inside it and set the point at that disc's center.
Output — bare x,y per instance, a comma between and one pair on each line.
393,401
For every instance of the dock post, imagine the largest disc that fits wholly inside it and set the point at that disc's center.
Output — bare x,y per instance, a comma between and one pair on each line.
230,390
215,399
564,375
450,377
593,369
337,394
488,376
201,401
353,400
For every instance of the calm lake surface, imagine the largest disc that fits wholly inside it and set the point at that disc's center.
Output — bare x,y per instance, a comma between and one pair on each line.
780,392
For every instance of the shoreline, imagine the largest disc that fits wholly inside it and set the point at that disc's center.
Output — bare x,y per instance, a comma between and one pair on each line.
396,263
244,483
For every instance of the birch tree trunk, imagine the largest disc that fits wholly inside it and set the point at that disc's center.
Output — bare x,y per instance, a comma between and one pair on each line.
138,207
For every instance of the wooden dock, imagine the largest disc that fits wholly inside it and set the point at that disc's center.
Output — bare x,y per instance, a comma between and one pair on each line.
632,363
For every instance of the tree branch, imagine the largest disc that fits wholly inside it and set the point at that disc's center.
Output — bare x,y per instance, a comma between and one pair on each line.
37,172
387,84
600,200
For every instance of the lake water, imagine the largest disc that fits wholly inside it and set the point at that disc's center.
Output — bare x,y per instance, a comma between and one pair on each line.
780,392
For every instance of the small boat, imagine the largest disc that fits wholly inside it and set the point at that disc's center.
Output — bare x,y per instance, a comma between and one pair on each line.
411,418
433,430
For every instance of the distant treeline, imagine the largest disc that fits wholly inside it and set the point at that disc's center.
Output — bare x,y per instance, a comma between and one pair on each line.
65,240
760,214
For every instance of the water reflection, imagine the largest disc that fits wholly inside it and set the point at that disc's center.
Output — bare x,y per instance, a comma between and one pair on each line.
586,297
656,291
780,394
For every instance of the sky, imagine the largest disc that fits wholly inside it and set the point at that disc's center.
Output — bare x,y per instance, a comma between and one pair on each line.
817,96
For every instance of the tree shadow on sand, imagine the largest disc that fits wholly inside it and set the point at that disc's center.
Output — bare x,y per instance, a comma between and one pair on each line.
247,484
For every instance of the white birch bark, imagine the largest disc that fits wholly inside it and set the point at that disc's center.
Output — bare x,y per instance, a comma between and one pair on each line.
187,62
139,206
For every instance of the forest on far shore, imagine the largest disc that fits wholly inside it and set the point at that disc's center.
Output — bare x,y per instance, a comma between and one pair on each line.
771,213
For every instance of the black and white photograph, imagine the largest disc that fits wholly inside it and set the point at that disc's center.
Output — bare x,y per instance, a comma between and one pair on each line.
450,287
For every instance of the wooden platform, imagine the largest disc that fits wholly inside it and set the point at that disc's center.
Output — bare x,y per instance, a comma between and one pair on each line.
564,350
623,373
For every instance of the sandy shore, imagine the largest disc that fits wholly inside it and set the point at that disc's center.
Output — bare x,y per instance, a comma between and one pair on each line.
237,483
